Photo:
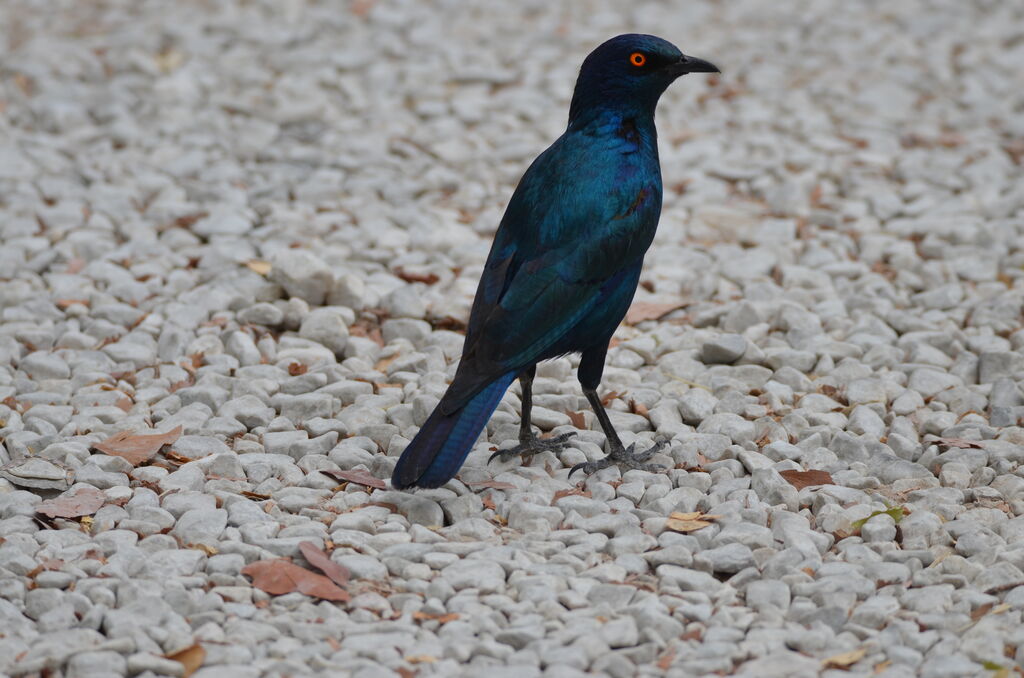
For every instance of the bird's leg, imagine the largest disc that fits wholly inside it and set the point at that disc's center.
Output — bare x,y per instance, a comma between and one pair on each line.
530,444
591,366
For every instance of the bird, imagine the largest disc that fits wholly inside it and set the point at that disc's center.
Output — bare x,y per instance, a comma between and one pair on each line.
565,262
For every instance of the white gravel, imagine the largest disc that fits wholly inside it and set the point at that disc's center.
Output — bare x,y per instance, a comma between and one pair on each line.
264,222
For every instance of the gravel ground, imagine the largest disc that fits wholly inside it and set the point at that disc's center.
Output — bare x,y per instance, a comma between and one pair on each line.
263,221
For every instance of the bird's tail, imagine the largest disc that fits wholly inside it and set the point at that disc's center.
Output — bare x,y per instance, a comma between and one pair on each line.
438,450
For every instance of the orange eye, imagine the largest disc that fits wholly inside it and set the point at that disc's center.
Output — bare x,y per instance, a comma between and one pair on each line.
637,59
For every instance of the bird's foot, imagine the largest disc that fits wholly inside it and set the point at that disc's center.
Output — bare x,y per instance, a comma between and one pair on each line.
624,458
532,445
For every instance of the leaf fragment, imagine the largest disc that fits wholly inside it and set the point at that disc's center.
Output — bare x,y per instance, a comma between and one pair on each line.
279,576
75,503
802,479
490,484
689,522
321,561
137,448
191,658
643,310
357,476
259,266
844,660
577,419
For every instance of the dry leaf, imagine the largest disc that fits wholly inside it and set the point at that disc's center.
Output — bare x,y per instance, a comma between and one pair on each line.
689,522
125,404
408,276
577,419
642,310
321,561
802,479
137,448
63,304
191,658
81,501
406,673
844,660
280,576
665,661
356,476
261,267
608,397
295,369
442,618
574,491
421,659
639,408
488,502
961,443
492,484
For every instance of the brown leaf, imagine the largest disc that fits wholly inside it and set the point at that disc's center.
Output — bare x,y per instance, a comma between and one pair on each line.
406,673
280,576
802,479
64,304
637,407
295,369
666,659
577,419
488,502
357,476
608,397
125,404
81,501
191,658
261,267
844,660
408,276
642,310
492,484
572,491
137,448
321,561
427,616
196,360
689,522
961,443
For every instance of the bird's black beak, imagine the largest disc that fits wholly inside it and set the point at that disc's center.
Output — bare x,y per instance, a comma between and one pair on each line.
689,64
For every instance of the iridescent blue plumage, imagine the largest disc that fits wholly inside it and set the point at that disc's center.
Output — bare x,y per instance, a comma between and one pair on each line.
567,255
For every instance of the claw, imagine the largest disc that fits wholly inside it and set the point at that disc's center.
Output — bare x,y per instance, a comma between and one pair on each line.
532,446
624,458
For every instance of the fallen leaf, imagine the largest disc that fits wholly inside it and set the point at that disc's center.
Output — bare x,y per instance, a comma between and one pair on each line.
961,443
492,484
261,267
608,397
844,660
205,548
577,419
137,448
573,491
408,276
357,476
81,501
802,479
280,576
254,495
421,659
642,310
988,608
295,369
693,634
195,360
894,512
638,408
665,661
488,502
321,561
406,673
689,522
191,658
125,404
64,304
427,616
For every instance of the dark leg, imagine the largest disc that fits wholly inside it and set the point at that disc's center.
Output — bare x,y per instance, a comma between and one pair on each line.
529,444
590,370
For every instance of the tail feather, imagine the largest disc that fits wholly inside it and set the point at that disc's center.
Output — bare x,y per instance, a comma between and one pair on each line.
442,444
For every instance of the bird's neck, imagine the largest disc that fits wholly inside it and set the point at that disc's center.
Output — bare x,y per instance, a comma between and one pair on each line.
628,126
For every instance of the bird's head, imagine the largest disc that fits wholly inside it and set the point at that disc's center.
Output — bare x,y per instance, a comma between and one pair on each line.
631,71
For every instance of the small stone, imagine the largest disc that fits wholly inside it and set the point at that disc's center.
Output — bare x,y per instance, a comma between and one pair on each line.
327,327
201,526
696,405
37,473
302,274
724,349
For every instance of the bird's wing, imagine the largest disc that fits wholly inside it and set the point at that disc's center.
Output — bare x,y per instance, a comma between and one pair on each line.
568,230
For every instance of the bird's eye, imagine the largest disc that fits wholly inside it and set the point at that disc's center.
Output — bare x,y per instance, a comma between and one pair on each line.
638,59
